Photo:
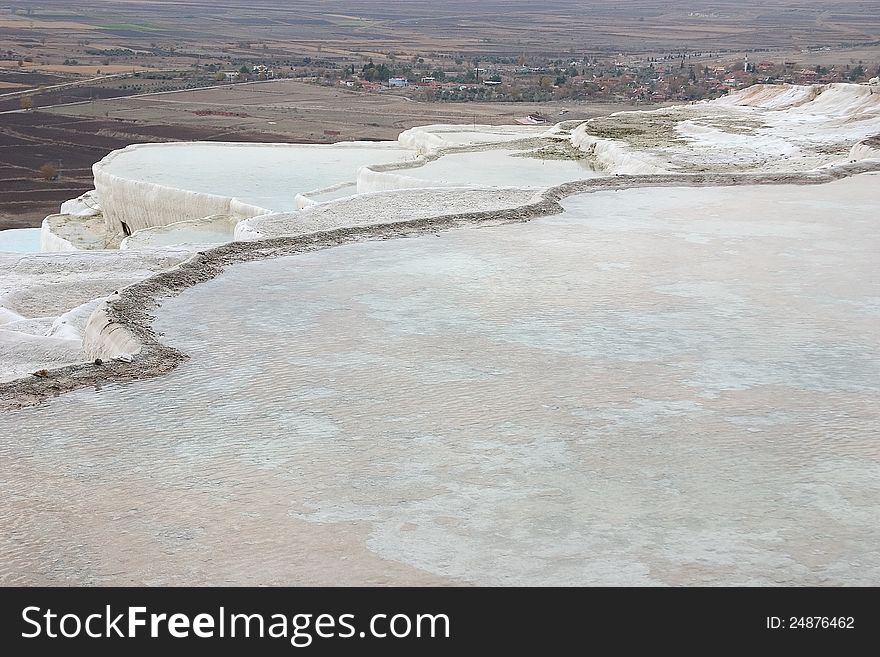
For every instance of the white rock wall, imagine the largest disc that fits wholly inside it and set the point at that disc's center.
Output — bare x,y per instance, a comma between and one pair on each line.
86,205
308,199
105,340
198,232
427,139
371,180
50,242
421,139
615,156
144,204
864,151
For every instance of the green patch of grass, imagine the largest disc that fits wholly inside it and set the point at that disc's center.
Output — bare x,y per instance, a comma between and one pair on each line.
56,15
129,27
342,20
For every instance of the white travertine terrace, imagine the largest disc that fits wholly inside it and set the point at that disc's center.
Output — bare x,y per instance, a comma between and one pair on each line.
173,201
215,229
865,150
429,139
148,185
492,168
761,128
47,300
383,208
670,378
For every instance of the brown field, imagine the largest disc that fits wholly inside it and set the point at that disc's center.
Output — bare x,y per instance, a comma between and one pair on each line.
12,101
80,69
302,111
492,27
32,139
38,23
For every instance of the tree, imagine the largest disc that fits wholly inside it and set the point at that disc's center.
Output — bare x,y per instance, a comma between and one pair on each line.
26,103
373,73
48,172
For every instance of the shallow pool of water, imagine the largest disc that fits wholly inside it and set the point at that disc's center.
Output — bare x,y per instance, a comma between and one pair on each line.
202,233
501,168
674,386
20,240
266,176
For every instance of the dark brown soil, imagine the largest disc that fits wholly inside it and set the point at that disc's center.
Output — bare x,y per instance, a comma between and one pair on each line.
63,96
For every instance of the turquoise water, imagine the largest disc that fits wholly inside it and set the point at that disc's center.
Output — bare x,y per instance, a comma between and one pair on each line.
268,177
20,240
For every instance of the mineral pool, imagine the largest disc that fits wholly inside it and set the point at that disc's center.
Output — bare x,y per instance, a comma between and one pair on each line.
655,387
265,176
501,168
20,240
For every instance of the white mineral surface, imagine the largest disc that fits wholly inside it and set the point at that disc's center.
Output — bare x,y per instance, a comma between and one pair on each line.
263,175
761,128
668,385
46,300
674,386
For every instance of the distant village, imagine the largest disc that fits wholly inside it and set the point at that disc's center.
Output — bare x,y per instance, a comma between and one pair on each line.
448,77
633,79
